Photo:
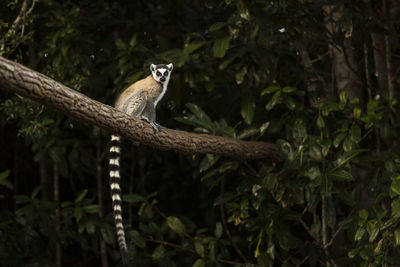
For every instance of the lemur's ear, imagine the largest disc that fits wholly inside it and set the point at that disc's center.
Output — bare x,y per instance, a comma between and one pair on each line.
170,67
152,67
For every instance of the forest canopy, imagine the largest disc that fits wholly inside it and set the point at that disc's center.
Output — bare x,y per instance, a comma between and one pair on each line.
317,79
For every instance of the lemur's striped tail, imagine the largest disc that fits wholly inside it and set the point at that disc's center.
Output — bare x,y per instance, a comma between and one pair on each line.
115,179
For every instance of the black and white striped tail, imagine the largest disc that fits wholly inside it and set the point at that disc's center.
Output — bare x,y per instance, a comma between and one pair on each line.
115,179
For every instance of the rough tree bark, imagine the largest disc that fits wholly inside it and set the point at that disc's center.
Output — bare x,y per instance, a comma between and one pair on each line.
31,84
344,66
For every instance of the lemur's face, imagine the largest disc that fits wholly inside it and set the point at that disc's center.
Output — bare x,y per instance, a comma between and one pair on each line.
161,72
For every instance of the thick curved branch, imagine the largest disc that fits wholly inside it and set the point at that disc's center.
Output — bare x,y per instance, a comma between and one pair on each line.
31,84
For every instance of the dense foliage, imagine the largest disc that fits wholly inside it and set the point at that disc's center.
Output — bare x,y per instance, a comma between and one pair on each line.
318,78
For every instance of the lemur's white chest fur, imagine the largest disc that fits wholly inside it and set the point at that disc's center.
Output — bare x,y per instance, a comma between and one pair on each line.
164,90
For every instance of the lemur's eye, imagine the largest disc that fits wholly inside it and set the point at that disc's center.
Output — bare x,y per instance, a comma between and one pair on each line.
166,73
158,73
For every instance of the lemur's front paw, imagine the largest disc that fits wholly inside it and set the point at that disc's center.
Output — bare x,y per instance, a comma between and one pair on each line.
155,125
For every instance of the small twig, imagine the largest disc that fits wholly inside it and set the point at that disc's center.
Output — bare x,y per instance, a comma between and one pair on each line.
324,231
18,19
327,254
333,237
320,57
387,49
31,8
223,218
309,232
366,63
303,261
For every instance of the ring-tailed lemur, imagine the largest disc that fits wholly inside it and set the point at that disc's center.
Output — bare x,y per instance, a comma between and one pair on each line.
139,100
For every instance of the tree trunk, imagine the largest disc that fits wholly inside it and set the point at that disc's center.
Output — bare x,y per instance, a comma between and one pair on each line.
344,67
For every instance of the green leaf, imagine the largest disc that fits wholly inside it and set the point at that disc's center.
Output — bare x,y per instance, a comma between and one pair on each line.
396,207
94,208
158,253
176,225
248,132
218,230
4,181
271,250
243,10
239,76
326,186
341,175
211,251
78,214
257,251
338,139
346,158
22,199
152,195
289,102
325,146
355,133
221,199
226,62
352,253
357,113
198,246
320,122
273,101
90,228
221,45
363,214
120,44
288,89
397,236
81,196
66,204
348,144
359,234
299,130
347,198
373,231
216,26
264,127
133,41
35,192
395,187
4,174
137,239
198,112
313,173
330,213
315,152
247,110
190,48
199,263
342,97
133,198
107,234
208,161
270,90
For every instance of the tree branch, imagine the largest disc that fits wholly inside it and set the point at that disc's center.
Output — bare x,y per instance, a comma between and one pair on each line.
31,84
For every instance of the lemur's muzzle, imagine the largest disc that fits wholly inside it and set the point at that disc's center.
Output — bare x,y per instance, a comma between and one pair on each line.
162,79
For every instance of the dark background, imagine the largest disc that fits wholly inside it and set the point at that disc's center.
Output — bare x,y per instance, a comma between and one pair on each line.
318,78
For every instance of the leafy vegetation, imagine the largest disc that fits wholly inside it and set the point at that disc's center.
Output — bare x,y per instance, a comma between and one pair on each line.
318,79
